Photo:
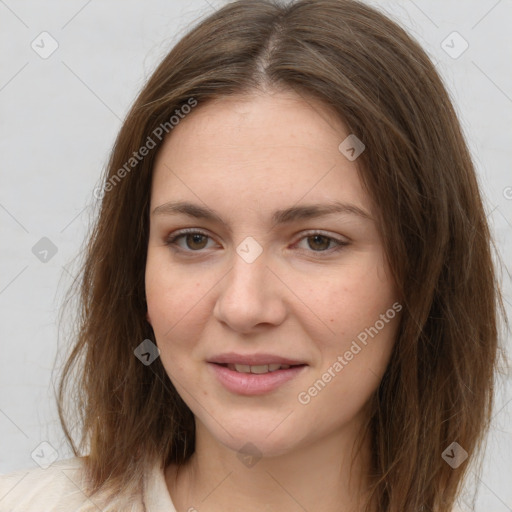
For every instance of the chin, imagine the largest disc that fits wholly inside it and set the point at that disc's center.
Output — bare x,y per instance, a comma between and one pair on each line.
264,439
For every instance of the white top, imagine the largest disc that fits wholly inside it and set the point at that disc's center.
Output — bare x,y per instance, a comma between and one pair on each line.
57,489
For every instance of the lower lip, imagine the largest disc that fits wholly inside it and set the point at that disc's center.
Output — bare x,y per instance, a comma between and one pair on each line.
253,383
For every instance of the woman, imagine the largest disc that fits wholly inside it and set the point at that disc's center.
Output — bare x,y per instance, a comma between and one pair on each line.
288,300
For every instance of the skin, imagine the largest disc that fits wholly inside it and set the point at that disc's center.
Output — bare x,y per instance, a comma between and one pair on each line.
245,157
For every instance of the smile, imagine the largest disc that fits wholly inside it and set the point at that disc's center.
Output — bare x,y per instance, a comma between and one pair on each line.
243,379
258,369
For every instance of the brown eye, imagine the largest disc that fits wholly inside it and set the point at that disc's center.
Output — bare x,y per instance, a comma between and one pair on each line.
319,242
196,241
191,241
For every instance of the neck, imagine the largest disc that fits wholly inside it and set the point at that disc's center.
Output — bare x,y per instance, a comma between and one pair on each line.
324,475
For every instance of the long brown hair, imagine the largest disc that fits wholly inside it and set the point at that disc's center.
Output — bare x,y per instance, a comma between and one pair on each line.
438,388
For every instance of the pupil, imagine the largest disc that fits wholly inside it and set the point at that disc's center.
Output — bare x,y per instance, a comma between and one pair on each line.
317,240
196,239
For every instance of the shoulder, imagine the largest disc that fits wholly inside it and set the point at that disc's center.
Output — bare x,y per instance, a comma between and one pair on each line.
59,488
50,489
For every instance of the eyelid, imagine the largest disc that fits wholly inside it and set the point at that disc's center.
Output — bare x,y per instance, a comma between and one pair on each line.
170,239
327,234
339,242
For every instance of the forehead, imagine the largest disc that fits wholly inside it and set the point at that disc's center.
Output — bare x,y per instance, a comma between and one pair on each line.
265,147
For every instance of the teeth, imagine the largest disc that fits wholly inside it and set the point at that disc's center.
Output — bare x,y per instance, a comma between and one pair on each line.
242,368
258,369
262,368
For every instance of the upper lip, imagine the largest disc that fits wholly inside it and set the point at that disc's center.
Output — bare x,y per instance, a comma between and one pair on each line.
253,359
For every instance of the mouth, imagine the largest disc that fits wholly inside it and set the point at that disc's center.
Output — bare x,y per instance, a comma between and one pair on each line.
258,369
255,374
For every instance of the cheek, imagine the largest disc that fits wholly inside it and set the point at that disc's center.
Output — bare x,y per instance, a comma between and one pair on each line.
165,296
356,304
168,294
177,303
352,298
169,304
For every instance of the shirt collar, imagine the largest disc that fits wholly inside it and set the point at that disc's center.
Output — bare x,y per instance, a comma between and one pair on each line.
156,497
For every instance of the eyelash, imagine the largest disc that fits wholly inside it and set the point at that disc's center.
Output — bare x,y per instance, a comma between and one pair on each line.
171,241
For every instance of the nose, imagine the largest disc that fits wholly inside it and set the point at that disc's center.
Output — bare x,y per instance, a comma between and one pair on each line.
251,296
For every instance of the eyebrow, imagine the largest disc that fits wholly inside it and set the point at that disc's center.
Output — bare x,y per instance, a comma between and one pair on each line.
284,216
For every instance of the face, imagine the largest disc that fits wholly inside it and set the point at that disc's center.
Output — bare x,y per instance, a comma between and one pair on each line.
266,281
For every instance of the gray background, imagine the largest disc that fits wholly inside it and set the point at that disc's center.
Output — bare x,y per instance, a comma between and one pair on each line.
60,115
